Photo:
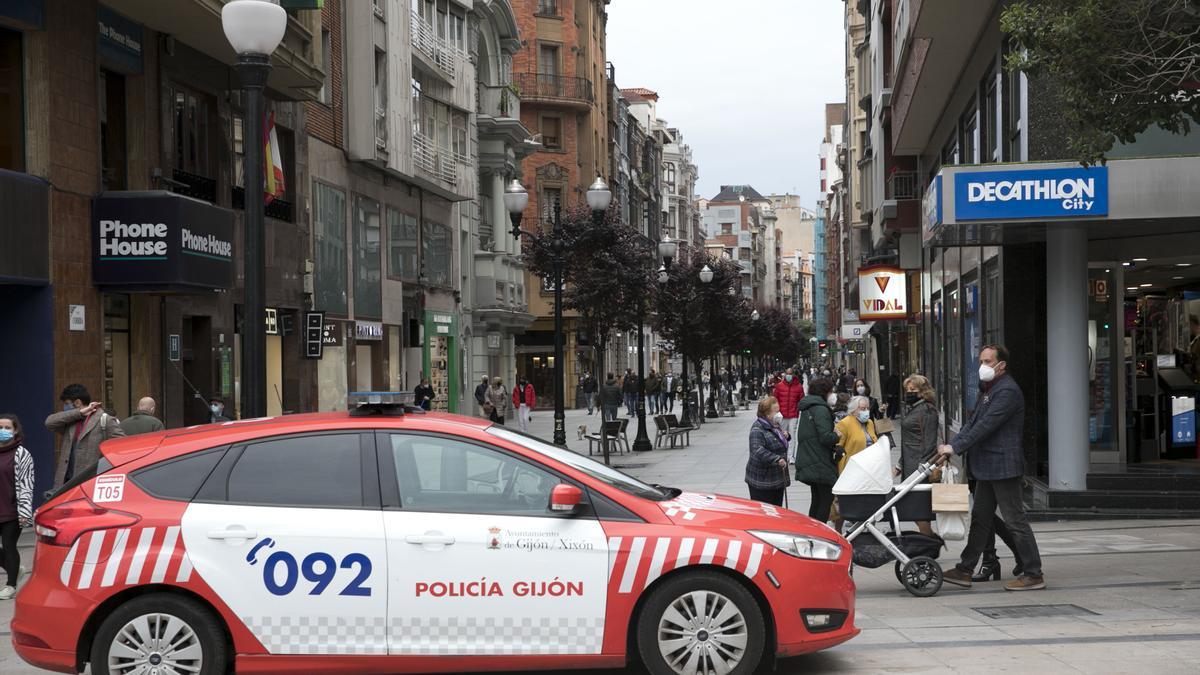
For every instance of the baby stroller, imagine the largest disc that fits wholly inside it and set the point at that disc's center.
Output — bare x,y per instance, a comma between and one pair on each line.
867,498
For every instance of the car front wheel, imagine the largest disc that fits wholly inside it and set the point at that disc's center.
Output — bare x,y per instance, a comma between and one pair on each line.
701,623
159,633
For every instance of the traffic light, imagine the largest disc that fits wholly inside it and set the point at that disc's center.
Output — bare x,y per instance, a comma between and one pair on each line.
822,345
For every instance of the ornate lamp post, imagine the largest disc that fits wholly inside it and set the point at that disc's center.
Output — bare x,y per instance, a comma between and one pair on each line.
254,28
641,443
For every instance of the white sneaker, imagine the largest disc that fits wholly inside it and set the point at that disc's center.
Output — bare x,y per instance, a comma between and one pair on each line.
7,593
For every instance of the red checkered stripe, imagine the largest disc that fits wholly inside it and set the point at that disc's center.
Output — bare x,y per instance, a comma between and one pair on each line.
635,562
126,557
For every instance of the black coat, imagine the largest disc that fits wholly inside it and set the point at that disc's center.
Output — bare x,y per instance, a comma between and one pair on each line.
610,394
992,436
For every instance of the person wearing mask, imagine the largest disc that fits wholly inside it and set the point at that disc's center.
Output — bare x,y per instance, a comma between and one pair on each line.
766,467
142,421
589,392
610,398
816,439
498,396
216,411
481,397
629,387
670,386
523,399
856,432
84,425
424,394
918,430
789,392
861,388
16,499
653,390
991,439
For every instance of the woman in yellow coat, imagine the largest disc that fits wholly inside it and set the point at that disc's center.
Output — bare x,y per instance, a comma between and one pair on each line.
857,431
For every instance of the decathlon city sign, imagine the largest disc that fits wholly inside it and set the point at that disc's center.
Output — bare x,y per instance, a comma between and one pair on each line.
882,293
1073,192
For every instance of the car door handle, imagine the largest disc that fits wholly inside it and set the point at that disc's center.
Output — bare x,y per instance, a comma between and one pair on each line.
434,538
232,533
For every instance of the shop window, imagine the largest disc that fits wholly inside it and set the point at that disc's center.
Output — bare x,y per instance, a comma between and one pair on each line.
368,290
329,234
402,245
991,303
191,127
552,132
113,154
12,102
118,394
436,253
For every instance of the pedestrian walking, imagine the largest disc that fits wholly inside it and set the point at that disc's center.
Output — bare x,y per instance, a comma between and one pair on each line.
670,388
216,411
16,499
142,421
766,467
589,392
84,425
523,398
816,440
610,398
481,391
653,390
629,387
991,438
497,396
789,392
424,394
918,430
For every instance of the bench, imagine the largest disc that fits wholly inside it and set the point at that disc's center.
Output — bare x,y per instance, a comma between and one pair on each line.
610,432
665,432
676,429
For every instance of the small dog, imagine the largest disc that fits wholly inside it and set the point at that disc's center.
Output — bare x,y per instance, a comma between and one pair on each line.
582,431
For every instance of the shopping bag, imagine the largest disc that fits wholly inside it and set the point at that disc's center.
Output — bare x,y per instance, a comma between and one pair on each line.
952,504
953,526
884,426
951,497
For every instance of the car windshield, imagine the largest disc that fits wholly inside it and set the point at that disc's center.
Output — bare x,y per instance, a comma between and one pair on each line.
591,467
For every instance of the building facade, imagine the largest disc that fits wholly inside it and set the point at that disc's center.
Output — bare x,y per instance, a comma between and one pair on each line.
735,221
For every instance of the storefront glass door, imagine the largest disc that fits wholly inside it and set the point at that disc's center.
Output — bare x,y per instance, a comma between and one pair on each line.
1104,366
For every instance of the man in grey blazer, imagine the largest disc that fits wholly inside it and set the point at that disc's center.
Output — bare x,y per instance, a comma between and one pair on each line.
992,436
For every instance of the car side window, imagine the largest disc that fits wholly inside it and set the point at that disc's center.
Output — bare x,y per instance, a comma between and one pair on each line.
319,470
449,476
178,478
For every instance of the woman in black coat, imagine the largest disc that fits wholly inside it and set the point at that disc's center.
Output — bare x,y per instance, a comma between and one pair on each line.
766,467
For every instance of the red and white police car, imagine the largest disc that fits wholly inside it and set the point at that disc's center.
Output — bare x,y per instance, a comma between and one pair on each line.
378,541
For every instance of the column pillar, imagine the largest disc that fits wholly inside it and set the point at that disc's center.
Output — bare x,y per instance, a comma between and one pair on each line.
1067,350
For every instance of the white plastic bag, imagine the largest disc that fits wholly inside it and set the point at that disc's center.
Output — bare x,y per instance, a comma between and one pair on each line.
952,525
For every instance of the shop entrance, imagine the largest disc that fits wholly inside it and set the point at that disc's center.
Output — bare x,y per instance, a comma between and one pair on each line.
28,381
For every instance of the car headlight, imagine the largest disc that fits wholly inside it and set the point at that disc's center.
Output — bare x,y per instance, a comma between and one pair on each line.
801,546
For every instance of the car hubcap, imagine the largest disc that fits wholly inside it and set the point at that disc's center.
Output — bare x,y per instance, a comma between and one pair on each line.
155,644
702,633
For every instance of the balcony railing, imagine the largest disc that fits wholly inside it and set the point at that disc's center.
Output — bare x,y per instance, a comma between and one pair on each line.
439,52
498,101
902,185
381,132
431,159
541,85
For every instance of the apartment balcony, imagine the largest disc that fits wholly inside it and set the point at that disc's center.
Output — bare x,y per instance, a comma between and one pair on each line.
901,206
434,162
438,57
558,90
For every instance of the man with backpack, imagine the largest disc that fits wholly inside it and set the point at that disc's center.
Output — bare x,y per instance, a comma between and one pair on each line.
84,425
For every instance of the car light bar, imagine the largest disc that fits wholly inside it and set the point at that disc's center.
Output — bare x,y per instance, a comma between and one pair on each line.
381,402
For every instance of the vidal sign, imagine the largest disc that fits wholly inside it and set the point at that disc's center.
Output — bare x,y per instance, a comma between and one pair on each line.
882,293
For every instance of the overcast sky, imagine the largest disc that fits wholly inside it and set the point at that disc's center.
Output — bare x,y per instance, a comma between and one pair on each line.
745,81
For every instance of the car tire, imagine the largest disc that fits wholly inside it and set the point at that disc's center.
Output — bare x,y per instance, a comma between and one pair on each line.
739,639
196,633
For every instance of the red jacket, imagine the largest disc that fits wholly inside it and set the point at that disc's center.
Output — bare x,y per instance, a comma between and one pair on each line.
789,396
530,396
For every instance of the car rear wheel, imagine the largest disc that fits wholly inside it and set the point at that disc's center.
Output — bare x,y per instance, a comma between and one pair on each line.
702,623
162,634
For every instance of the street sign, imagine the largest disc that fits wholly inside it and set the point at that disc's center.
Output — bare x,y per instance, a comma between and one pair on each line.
856,331
314,339
173,347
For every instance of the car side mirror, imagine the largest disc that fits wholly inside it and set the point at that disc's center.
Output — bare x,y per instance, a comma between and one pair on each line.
565,498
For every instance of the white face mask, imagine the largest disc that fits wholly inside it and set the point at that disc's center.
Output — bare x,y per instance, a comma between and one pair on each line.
861,391
777,418
788,378
831,399
986,373
864,415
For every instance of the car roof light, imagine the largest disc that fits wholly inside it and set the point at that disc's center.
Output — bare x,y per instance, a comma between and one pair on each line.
362,403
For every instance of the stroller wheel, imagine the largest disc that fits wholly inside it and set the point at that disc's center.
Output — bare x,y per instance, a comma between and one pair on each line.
922,577
899,572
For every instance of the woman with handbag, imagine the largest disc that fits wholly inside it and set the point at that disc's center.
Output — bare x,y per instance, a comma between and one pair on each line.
918,430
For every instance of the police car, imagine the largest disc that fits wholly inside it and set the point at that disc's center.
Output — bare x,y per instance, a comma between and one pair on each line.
382,540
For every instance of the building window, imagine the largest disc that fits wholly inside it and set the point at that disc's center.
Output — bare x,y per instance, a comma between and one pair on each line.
190,112
552,132
1012,101
548,59
368,292
112,130
329,239
988,151
968,125
280,206
551,204
726,228
669,173
547,8
327,66
435,250
458,31
12,102
458,125
402,245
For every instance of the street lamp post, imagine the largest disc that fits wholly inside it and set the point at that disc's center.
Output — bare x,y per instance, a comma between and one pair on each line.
516,198
254,28
641,442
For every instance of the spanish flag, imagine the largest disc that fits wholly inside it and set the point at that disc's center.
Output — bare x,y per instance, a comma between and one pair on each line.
274,187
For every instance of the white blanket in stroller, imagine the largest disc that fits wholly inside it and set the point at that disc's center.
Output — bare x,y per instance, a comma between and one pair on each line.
867,472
